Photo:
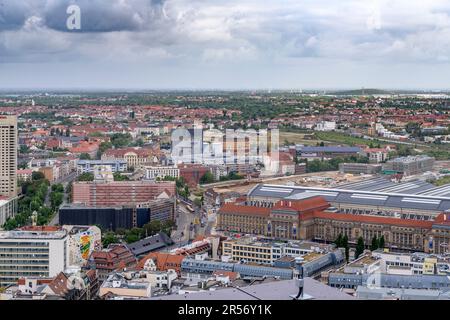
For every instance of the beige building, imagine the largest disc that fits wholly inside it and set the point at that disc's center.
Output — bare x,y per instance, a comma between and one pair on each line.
248,250
8,156
134,156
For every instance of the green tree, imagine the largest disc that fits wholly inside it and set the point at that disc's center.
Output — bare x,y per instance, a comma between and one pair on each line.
207,178
56,199
85,156
120,140
167,226
37,175
109,238
138,143
153,227
11,224
198,202
58,187
381,242
414,129
375,243
24,149
104,146
338,241
120,177
133,235
345,245
87,176
359,247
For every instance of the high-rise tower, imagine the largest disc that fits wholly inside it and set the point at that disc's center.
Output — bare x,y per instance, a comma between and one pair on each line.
8,156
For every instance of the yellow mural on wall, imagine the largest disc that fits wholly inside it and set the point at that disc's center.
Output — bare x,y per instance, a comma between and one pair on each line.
85,245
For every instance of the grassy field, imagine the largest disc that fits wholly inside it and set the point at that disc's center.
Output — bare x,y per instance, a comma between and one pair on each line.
441,181
297,138
343,138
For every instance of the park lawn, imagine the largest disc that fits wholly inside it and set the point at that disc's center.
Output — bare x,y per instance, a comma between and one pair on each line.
296,138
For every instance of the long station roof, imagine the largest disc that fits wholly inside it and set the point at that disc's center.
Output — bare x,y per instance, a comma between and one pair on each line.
377,192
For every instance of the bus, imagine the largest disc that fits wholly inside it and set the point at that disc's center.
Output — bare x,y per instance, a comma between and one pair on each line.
190,208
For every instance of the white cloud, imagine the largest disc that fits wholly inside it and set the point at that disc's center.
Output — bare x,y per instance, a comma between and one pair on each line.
193,33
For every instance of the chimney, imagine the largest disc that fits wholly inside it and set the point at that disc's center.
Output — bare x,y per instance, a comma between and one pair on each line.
298,276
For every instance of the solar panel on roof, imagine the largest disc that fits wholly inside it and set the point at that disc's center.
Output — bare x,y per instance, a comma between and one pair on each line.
323,193
275,189
369,196
438,192
399,188
418,200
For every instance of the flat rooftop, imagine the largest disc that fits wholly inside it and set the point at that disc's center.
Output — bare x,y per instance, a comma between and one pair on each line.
417,195
311,256
20,234
365,260
273,290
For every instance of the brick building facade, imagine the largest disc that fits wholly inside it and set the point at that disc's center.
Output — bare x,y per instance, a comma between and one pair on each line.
308,219
119,192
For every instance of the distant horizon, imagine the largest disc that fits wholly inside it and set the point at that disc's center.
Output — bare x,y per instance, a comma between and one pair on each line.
168,90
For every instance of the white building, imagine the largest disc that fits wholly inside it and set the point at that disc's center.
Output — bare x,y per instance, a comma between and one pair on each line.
408,263
118,285
326,126
81,242
89,165
161,279
153,172
8,208
35,252
103,173
24,174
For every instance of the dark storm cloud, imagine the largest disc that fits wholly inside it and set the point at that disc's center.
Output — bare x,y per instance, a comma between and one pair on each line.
105,16
313,40
13,13
97,15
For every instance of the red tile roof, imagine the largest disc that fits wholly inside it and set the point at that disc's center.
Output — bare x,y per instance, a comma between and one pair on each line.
140,152
40,228
313,208
373,219
163,260
308,204
231,274
233,208
59,284
85,147
443,219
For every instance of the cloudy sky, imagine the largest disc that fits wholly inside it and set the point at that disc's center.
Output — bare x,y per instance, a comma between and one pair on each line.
228,44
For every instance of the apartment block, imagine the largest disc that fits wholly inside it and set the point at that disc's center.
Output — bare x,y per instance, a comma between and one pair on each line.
358,168
32,252
410,165
8,208
119,192
8,156
84,166
153,172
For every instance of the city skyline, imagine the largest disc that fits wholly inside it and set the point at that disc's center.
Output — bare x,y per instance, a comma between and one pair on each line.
168,44
224,150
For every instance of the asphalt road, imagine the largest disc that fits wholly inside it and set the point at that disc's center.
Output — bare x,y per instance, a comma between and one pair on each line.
183,220
65,181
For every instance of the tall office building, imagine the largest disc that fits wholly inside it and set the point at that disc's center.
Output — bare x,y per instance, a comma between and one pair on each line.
8,156
32,252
